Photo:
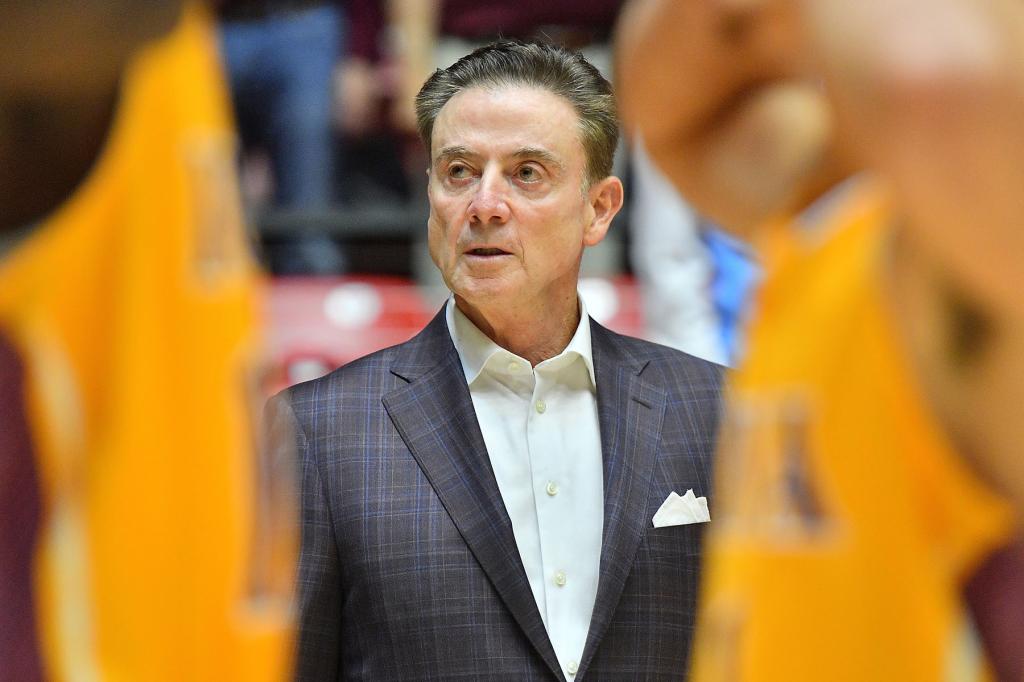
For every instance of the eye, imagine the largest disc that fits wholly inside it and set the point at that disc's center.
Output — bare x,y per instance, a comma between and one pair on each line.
528,173
457,171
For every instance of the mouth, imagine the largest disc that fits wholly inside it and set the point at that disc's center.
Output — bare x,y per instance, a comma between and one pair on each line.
487,252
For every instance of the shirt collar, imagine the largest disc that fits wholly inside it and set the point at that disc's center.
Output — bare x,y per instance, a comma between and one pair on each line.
476,349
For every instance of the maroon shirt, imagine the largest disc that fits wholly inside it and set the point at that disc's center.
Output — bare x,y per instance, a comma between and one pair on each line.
995,595
525,19
20,513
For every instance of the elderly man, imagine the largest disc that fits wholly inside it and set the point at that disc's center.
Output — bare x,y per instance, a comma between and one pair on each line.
478,502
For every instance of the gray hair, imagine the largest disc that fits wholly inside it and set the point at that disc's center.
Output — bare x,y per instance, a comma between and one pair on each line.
555,69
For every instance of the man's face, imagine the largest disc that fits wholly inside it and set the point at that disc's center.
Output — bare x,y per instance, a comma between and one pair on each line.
509,210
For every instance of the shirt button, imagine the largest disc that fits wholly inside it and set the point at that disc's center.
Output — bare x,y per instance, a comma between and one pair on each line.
514,367
560,578
552,488
572,667
541,406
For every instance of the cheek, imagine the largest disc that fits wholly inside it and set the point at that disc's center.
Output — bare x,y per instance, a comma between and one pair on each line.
444,212
564,228
555,244
436,231
442,231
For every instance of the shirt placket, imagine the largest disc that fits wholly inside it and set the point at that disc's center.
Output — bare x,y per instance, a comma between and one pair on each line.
553,518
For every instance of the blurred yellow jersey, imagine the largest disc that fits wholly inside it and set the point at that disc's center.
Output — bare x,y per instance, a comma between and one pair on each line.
844,523
133,309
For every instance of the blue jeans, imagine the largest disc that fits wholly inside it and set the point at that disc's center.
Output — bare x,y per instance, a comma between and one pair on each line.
280,70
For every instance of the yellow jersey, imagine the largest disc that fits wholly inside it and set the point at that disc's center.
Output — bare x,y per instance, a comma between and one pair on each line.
845,524
134,311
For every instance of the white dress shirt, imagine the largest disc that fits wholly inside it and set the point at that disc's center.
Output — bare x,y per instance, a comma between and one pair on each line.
541,429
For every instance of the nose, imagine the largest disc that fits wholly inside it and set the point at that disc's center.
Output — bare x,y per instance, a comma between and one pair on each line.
490,201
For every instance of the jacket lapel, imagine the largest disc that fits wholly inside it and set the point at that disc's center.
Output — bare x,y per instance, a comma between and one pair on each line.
630,410
434,415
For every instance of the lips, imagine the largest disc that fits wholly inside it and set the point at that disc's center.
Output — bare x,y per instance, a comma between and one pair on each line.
487,251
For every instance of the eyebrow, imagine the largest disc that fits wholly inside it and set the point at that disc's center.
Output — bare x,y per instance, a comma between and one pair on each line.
448,153
452,152
539,154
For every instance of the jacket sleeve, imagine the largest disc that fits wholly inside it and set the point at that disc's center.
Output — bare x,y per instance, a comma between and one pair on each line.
318,582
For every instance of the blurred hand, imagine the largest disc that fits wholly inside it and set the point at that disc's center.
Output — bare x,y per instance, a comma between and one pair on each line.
414,33
410,76
357,96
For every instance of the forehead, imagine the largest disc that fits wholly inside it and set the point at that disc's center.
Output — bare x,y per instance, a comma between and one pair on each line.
500,120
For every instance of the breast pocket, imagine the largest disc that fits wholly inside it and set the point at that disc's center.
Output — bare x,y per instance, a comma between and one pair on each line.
674,541
668,564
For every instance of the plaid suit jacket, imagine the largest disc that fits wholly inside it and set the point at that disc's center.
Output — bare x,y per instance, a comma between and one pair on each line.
408,567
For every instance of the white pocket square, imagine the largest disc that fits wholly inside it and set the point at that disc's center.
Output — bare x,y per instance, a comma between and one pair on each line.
679,510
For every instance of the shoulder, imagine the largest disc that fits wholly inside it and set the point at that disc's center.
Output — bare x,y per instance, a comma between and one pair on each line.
689,388
365,379
355,390
684,377
669,368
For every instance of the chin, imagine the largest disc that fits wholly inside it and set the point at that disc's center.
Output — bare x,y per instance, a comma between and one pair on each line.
479,292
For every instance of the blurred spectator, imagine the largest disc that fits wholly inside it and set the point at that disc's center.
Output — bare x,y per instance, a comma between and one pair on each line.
696,280
281,57
432,34
372,167
733,288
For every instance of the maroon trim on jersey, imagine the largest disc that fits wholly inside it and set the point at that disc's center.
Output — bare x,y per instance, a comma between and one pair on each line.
995,594
20,513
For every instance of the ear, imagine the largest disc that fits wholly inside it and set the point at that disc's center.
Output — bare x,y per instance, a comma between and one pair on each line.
605,199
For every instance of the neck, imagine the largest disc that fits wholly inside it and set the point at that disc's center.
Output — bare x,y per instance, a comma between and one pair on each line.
833,171
535,333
